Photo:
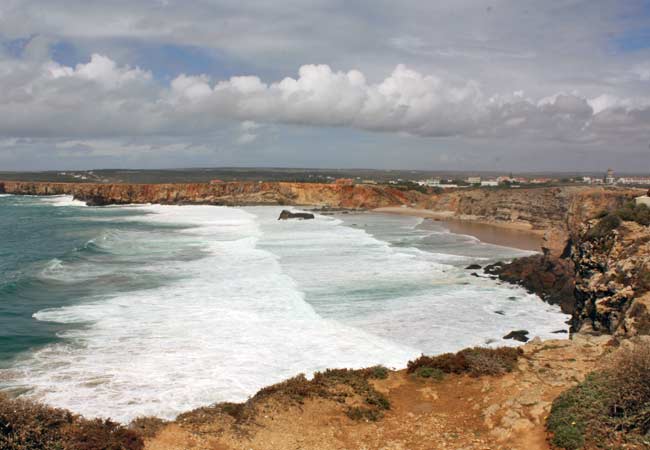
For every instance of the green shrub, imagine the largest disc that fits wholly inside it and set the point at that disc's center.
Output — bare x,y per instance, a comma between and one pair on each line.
604,227
378,372
575,411
430,372
609,408
475,361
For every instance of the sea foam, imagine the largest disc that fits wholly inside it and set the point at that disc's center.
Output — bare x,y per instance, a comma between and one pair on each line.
249,300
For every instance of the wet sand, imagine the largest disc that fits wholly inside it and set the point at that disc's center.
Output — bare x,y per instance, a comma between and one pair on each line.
507,234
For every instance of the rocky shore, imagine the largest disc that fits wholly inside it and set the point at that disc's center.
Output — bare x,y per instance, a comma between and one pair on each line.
554,212
595,264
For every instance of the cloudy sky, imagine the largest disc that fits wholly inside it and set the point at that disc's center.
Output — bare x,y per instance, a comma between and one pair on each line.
448,84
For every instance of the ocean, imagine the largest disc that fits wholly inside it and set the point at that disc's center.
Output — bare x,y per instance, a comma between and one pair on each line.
152,310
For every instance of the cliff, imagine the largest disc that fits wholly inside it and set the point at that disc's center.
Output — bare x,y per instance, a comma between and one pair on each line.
231,193
555,212
612,278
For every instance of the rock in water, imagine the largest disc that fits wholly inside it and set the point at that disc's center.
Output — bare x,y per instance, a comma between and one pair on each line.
517,335
473,267
286,214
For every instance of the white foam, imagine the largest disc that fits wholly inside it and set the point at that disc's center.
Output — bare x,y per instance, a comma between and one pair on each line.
261,301
232,325
63,200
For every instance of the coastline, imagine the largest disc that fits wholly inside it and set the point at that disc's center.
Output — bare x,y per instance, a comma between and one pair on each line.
513,235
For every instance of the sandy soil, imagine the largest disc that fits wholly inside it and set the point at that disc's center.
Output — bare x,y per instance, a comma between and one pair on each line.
459,412
512,234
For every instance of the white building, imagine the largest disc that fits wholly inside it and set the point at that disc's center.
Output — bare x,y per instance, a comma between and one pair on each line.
489,183
474,180
635,180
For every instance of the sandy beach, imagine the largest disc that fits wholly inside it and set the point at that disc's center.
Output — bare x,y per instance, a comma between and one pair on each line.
512,235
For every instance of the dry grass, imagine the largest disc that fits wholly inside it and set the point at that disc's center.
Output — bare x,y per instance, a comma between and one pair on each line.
25,425
474,361
339,385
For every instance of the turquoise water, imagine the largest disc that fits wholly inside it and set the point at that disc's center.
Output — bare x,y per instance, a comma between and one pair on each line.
154,310
40,235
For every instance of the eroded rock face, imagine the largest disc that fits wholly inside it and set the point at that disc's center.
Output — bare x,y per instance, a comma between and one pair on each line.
549,277
231,193
613,280
555,212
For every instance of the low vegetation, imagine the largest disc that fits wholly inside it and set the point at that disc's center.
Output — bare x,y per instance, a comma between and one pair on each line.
611,220
474,361
610,409
346,386
25,425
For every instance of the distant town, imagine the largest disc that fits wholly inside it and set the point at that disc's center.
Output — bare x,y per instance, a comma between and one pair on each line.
425,181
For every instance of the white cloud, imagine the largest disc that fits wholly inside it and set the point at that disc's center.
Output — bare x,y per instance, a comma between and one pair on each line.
102,98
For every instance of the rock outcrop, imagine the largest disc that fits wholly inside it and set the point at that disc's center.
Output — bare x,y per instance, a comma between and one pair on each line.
286,214
552,278
554,212
612,279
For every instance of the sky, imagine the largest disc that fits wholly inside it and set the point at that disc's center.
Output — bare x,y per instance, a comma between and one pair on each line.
520,85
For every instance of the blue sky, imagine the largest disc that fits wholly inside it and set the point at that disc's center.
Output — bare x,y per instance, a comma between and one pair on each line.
560,85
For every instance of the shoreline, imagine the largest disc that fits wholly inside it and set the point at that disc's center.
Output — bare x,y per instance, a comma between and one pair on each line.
513,235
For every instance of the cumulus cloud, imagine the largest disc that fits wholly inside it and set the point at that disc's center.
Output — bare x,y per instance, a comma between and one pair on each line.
101,98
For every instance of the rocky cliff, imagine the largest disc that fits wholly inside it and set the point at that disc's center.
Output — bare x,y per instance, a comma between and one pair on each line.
555,212
612,264
231,193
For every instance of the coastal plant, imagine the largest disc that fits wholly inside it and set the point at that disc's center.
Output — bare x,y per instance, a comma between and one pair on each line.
341,385
610,408
604,227
25,425
430,372
476,361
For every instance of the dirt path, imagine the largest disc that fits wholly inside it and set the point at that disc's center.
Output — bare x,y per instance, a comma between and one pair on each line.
459,412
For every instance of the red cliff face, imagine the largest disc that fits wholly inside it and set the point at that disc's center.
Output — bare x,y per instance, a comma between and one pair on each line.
232,193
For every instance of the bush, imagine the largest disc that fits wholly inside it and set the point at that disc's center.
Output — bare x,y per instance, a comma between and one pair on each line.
25,425
604,227
475,361
577,410
334,384
630,379
632,212
609,408
430,372
101,435
378,372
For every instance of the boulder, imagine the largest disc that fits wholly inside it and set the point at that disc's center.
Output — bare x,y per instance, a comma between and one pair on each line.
473,267
286,214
